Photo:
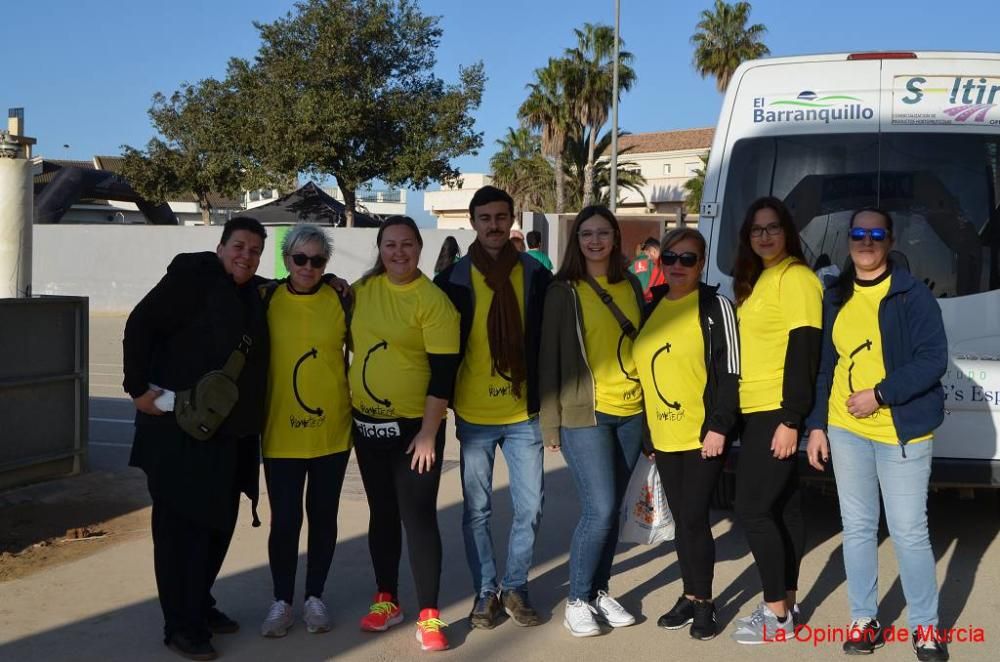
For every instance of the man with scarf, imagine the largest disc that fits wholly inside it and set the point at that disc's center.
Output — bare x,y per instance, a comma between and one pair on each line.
499,293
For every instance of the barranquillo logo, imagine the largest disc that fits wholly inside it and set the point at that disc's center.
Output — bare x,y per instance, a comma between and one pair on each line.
809,106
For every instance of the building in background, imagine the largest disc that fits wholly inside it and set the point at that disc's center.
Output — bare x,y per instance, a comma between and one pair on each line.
450,205
667,159
381,203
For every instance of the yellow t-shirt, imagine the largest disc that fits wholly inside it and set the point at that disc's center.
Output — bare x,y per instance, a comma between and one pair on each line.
308,402
609,350
393,329
670,356
482,397
787,296
860,365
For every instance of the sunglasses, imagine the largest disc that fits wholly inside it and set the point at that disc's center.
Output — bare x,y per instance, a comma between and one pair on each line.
877,234
687,259
315,261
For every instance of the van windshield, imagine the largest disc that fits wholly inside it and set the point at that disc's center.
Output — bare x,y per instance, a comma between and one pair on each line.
941,188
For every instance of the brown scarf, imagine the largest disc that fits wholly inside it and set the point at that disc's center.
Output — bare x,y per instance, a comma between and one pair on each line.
503,323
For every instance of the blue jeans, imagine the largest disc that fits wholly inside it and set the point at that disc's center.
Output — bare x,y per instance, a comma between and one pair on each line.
522,448
862,468
601,459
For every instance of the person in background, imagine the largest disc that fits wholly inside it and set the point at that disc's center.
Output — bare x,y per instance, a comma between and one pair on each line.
646,267
448,255
878,401
517,239
779,307
307,436
534,239
203,310
592,404
499,294
688,355
405,338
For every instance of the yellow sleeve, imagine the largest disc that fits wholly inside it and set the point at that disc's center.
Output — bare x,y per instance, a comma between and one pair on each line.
439,322
801,296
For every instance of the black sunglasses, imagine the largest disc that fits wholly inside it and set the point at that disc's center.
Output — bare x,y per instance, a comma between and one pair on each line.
877,234
687,259
315,261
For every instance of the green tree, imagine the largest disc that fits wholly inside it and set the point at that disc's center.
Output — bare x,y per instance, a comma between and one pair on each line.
589,82
195,152
520,168
548,110
695,187
576,158
723,41
345,88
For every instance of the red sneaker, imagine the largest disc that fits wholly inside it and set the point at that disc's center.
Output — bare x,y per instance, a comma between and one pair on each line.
429,632
383,614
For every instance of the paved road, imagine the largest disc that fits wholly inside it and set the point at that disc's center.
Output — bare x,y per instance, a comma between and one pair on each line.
103,607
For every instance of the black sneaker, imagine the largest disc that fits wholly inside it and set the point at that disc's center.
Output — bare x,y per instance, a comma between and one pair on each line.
703,623
681,614
219,623
192,650
864,637
485,611
518,607
929,648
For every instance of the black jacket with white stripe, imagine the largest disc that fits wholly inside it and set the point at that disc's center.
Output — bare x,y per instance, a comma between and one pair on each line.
721,338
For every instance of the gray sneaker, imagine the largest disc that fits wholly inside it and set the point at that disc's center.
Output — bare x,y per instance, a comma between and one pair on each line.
796,614
279,620
764,628
315,615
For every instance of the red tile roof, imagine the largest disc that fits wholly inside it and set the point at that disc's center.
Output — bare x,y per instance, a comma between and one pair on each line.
666,141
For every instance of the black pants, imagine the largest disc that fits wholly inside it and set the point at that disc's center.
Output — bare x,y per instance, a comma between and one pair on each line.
769,506
187,557
286,481
398,494
688,482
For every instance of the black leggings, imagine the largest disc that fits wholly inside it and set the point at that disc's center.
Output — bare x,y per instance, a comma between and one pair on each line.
769,505
688,482
286,480
398,494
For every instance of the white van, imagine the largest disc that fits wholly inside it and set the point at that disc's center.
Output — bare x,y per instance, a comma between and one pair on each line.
915,133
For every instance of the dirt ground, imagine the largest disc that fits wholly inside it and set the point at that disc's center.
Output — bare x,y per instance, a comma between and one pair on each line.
62,520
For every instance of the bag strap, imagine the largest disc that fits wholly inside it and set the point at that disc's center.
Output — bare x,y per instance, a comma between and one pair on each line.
236,361
624,322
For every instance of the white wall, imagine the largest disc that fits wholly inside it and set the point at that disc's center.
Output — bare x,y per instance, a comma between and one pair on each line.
116,265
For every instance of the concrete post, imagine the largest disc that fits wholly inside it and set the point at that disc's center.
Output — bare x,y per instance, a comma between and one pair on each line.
16,193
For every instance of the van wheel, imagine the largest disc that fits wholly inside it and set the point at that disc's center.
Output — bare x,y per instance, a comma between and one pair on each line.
725,492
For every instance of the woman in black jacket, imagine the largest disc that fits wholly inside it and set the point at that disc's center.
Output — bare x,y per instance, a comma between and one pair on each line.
688,357
188,325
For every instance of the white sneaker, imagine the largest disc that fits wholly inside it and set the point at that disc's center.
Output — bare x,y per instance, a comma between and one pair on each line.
279,620
611,611
580,619
315,616
764,628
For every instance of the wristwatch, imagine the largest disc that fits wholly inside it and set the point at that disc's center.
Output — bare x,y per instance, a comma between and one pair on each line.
791,424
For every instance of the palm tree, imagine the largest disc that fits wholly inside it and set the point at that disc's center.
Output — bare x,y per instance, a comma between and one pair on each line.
520,168
723,41
547,110
577,148
589,82
695,187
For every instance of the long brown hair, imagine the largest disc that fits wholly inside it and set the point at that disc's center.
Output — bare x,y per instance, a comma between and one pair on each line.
748,265
378,267
573,266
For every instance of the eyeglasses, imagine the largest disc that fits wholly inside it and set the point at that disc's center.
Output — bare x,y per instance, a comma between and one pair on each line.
600,235
687,259
772,229
877,234
315,261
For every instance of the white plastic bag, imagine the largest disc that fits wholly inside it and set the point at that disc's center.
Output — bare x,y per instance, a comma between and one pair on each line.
645,516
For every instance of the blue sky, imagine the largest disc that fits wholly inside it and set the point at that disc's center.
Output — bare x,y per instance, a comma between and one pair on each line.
85,70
